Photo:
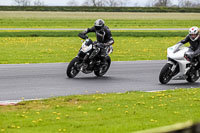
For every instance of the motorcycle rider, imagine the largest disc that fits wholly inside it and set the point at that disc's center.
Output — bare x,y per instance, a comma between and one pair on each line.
103,35
194,39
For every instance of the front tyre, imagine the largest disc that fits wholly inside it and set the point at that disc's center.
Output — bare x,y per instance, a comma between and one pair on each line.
72,70
103,69
165,74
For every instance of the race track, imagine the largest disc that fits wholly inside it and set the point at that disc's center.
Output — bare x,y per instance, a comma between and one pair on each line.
32,81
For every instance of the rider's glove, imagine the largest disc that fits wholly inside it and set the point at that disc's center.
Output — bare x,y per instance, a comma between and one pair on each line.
177,47
83,36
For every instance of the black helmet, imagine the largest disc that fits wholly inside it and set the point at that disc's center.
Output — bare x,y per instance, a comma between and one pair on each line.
99,24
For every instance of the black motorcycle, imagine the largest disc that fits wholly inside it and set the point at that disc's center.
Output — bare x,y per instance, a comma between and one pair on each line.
89,59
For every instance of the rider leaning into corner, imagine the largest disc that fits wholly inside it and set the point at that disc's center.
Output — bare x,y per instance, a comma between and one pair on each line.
103,35
194,39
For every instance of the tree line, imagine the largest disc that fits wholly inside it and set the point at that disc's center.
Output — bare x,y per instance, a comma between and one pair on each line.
28,3
114,3
181,3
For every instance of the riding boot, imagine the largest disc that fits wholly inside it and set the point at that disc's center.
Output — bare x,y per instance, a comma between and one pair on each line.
103,61
103,57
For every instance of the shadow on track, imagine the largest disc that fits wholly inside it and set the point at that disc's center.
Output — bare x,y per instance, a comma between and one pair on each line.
100,79
183,84
93,78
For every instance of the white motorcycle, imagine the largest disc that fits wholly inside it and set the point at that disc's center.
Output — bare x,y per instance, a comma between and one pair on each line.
179,66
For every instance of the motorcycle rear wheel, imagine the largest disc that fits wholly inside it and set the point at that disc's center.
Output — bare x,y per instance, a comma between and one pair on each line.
102,70
192,78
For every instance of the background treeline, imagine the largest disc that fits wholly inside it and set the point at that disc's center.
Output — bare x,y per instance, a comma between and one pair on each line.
98,9
114,3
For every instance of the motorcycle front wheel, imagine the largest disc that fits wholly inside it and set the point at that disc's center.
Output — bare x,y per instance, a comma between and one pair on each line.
72,70
103,69
165,74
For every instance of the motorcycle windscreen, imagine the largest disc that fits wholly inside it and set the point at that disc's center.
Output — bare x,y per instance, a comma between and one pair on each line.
178,55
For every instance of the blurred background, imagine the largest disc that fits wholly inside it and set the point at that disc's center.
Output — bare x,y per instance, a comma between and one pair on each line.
103,3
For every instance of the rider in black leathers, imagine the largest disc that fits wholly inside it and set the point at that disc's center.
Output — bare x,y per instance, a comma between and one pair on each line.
103,35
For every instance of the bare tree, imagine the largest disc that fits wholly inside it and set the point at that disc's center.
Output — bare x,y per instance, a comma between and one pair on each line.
112,3
95,3
122,3
186,3
17,2
38,3
92,2
23,2
100,3
162,3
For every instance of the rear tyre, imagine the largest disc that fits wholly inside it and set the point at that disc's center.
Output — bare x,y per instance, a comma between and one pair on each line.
72,70
191,78
165,74
103,69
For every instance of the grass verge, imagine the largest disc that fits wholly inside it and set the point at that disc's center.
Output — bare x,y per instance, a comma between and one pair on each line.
77,23
121,112
62,49
75,33
20,19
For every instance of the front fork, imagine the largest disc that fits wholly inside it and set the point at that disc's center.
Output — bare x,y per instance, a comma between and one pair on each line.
173,66
174,69
85,61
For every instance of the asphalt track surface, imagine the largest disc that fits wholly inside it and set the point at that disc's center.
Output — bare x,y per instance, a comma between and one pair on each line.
32,81
78,29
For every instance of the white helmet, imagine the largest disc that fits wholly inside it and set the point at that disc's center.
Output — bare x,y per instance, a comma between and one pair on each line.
194,33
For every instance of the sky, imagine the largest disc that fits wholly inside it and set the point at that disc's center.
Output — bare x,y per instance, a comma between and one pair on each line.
79,2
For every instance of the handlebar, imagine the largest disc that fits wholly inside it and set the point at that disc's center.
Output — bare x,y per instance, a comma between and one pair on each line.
83,36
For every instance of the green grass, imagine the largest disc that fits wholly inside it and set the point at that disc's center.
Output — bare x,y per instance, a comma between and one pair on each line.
63,49
122,112
16,19
70,23
62,46
96,15
75,33
102,112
